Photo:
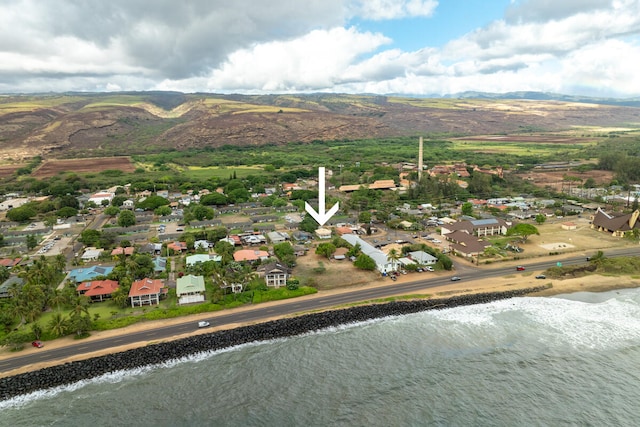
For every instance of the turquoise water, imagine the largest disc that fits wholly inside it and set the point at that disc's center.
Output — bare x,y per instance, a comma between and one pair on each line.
570,360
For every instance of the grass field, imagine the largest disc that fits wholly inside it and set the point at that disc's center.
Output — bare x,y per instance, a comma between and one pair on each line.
517,148
196,172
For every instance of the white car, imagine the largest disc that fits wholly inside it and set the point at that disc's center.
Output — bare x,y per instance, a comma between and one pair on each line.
428,268
203,324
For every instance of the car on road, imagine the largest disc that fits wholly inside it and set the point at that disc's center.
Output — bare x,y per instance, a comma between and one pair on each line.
37,344
541,276
203,324
455,278
520,268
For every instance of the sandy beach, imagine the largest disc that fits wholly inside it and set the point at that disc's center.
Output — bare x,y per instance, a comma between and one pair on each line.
519,280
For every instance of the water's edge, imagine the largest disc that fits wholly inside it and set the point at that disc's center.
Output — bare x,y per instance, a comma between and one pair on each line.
153,354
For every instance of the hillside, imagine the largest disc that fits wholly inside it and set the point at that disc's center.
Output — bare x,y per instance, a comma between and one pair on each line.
83,125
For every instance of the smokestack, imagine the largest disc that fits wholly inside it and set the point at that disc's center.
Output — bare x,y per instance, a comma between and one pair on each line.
420,160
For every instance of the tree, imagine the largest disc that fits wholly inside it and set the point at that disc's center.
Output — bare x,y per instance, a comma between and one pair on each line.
467,208
21,214
540,218
67,212
394,256
364,217
58,325
365,262
32,241
202,212
326,249
90,237
214,199
126,219
112,211
523,230
308,224
162,211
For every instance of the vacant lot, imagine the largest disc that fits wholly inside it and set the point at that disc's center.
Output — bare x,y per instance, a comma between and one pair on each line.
8,170
555,179
54,167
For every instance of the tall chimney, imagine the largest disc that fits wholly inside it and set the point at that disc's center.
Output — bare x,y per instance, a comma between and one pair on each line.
420,160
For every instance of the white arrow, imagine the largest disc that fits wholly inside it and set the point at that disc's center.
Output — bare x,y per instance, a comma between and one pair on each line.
321,216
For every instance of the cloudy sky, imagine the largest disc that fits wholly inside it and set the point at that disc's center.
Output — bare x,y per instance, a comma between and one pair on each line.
418,47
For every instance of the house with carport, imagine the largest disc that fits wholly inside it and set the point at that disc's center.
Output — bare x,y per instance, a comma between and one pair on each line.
276,274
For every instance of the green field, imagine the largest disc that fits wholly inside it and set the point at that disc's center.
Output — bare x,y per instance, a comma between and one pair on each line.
519,148
203,173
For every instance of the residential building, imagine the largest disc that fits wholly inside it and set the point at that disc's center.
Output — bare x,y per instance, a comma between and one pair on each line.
89,273
190,289
276,274
383,263
146,292
98,290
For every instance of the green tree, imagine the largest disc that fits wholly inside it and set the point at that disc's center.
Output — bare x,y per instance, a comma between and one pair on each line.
308,224
523,230
162,211
58,325
214,198
67,212
467,208
365,262
540,218
126,219
326,249
364,217
32,241
112,211
21,214
90,237
394,255
202,212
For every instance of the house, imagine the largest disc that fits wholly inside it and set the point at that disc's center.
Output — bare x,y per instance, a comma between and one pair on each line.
159,264
201,244
466,244
477,227
177,246
91,254
422,258
276,274
98,290
277,237
146,292
383,263
86,274
128,204
250,255
323,233
128,251
10,262
100,197
12,281
201,258
190,289
614,223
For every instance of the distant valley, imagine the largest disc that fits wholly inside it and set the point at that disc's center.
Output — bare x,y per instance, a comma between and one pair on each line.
90,125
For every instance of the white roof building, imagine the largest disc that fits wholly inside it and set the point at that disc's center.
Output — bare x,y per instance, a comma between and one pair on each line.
383,263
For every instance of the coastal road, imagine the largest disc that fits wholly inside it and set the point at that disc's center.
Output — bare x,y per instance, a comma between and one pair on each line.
300,305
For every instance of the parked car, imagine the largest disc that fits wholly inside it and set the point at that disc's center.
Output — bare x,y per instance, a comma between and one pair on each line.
37,344
541,276
455,278
520,268
428,268
203,324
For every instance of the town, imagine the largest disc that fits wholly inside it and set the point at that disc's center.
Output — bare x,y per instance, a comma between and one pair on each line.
99,260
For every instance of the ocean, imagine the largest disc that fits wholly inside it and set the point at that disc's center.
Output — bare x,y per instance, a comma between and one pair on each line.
567,360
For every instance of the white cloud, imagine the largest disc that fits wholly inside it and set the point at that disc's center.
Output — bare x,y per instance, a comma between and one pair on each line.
572,46
392,9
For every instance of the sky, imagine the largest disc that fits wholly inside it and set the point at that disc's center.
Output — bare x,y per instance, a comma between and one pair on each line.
406,47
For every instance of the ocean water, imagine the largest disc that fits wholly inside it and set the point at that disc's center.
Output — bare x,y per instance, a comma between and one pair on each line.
567,360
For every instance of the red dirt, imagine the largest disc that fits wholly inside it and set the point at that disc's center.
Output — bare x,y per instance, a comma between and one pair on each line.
8,170
554,179
54,167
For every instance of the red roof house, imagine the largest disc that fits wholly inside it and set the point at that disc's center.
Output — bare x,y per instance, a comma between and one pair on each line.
98,290
146,291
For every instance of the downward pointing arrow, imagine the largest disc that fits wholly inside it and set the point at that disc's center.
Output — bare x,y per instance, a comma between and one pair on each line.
321,216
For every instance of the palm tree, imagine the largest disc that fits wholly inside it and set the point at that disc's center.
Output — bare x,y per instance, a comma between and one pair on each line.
58,325
394,256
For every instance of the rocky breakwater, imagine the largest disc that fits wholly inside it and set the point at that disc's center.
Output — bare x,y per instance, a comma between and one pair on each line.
72,372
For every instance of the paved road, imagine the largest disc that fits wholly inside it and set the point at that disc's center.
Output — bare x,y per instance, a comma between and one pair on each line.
290,307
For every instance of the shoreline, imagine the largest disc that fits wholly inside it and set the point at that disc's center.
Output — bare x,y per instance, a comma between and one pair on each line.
153,354
508,283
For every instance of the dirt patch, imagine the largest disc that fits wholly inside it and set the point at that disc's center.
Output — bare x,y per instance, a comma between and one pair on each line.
332,274
54,167
8,170
555,179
